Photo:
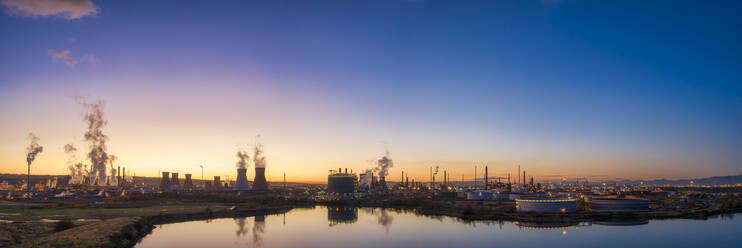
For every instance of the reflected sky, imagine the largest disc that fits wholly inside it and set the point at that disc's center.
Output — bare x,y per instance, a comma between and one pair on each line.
367,227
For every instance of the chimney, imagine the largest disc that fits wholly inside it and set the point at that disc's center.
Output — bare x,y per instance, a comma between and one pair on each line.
217,182
486,177
444,177
259,183
241,183
188,184
165,182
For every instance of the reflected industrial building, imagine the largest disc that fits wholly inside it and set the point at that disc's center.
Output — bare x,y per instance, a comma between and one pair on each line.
342,215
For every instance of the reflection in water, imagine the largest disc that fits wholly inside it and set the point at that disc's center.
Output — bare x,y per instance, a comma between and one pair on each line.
342,215
309,228
257,230
241,230
546,225
622,223
383,218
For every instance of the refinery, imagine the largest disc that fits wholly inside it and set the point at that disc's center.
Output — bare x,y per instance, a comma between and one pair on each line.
97,188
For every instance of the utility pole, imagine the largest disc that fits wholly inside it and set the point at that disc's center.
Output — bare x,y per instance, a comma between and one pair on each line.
202,175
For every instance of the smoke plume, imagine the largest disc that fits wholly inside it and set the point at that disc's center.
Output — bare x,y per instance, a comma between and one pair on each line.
95,120
381,169
33,149
244,158
435,172
77,169
258,157
113,179
384,164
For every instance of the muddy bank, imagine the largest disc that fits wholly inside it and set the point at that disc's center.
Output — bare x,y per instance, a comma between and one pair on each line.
116,232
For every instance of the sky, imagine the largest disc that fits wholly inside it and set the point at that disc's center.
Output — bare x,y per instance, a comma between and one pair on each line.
596,89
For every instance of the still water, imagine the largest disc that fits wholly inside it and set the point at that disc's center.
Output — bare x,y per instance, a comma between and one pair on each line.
373,227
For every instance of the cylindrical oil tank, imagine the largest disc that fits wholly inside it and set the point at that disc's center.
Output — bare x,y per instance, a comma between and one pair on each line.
618,205
341,183
546,205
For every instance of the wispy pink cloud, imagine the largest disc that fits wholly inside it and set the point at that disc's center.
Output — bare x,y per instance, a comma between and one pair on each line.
67,9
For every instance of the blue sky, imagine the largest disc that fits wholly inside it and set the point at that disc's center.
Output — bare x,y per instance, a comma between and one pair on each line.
629,88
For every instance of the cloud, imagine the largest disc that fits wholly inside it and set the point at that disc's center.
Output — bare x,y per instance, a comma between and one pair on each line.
67,9
64,55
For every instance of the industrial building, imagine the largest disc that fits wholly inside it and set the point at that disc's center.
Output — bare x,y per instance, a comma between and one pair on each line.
165,182
241,183
341,184
618,204
217,183
188,184
342,215
259,183
555,205
481,195
174,182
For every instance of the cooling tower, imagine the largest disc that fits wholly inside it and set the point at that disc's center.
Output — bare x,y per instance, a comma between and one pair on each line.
241,183
165,183
259,183
174,183
217,182
188,184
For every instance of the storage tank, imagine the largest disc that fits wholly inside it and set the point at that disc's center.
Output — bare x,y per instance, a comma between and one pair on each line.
339,183
618,205
555,205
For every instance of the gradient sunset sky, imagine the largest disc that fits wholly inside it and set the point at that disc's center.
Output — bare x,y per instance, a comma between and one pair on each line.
599,89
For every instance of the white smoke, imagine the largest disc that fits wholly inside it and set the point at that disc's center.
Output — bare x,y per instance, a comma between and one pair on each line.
244,159
258,157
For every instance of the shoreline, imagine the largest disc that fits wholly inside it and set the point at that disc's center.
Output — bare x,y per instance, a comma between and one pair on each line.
120,227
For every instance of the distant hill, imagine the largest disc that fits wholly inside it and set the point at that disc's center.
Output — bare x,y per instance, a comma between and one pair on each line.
717,180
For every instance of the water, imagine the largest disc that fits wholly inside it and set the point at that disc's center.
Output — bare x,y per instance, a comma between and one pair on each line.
367,227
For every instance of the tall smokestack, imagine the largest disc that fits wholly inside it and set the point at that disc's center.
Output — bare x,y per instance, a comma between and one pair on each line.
524,176
31,151
259,183
518,175
165,182
486,176
241,183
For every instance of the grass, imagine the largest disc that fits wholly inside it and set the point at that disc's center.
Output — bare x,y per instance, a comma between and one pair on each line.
102,212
